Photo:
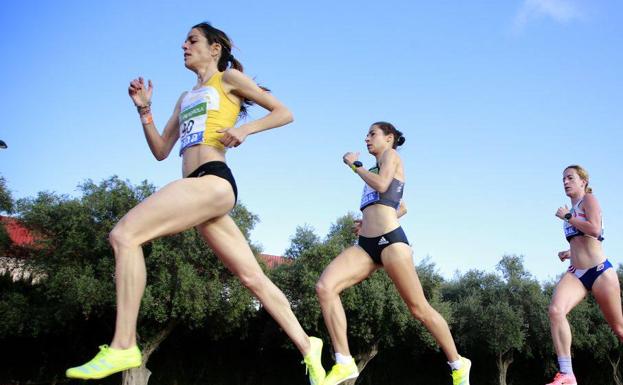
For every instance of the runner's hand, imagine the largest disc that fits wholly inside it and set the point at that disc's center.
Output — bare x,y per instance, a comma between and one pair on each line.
562,211
357,226
139,93
234,136
564,255
350,157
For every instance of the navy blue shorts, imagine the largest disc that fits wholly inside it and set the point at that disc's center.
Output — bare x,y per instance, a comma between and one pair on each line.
588,276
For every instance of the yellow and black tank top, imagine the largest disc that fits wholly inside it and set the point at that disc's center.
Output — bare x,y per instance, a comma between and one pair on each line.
203,112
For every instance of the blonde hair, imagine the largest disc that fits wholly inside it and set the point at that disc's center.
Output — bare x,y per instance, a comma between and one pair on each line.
582,173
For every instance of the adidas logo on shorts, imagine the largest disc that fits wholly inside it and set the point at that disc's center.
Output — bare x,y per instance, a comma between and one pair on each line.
382,241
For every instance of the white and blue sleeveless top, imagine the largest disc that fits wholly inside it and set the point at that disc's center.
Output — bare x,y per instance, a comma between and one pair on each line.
578,212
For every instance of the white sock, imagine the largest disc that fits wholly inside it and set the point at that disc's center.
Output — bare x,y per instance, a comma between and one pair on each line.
565,365
456,365
342,359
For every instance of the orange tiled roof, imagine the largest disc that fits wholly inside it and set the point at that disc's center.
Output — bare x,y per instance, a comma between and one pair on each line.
273,261
19,234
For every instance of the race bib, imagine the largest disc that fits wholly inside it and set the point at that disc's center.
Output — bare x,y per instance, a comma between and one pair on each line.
369,196
194,113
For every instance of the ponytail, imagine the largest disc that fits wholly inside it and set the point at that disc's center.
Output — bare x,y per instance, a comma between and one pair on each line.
227,60
389,128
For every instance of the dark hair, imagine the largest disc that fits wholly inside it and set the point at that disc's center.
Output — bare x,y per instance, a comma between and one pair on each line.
389,128
215,35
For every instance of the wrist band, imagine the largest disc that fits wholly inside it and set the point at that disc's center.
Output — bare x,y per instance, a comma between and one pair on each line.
147,119
352,166
142,110
146,105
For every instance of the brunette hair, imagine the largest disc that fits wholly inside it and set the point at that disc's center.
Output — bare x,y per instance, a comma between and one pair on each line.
389,128
227,59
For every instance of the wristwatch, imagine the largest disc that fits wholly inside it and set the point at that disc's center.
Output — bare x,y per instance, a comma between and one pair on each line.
356,164
568,216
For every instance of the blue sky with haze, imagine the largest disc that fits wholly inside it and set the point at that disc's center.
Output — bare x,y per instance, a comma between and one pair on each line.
494,98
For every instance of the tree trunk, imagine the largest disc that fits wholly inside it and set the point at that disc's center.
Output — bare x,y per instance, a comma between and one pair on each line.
503,362
362,360
140,375
616,375
136,376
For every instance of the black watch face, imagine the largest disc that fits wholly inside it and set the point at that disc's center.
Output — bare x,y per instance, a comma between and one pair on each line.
357,163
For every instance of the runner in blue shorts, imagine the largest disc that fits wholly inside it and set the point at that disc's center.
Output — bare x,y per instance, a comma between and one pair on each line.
589,271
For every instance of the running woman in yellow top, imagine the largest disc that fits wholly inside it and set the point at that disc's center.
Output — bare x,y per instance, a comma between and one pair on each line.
589,270
382,244
203,120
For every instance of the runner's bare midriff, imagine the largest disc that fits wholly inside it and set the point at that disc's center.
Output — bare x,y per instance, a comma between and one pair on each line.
199,154
377,220
586,252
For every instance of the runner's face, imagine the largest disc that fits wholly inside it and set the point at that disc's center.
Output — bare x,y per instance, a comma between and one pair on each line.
573,184
377,141
198,50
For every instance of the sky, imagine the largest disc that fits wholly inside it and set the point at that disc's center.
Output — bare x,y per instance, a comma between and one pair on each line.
495,99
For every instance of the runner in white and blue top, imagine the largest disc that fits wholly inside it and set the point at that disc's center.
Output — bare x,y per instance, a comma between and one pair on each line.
589,271
571,231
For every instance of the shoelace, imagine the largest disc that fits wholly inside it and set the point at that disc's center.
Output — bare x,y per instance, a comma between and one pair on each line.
308,368
102,352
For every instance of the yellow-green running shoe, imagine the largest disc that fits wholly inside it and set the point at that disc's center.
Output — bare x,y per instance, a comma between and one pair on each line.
313,362
107,362
461,376
341,372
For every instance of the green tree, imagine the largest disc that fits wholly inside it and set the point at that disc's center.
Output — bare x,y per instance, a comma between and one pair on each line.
499,316
186,284
6,199
303,239
6,205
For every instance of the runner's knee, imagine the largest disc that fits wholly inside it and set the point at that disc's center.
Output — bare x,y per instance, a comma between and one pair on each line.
325,291
421,311
253,280
120,239
555,312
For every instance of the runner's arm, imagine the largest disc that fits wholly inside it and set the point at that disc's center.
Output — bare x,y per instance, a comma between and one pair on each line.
244,87
592,225
381,181
161,145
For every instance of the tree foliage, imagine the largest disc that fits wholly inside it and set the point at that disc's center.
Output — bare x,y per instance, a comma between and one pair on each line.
6,199
498,319
499,316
